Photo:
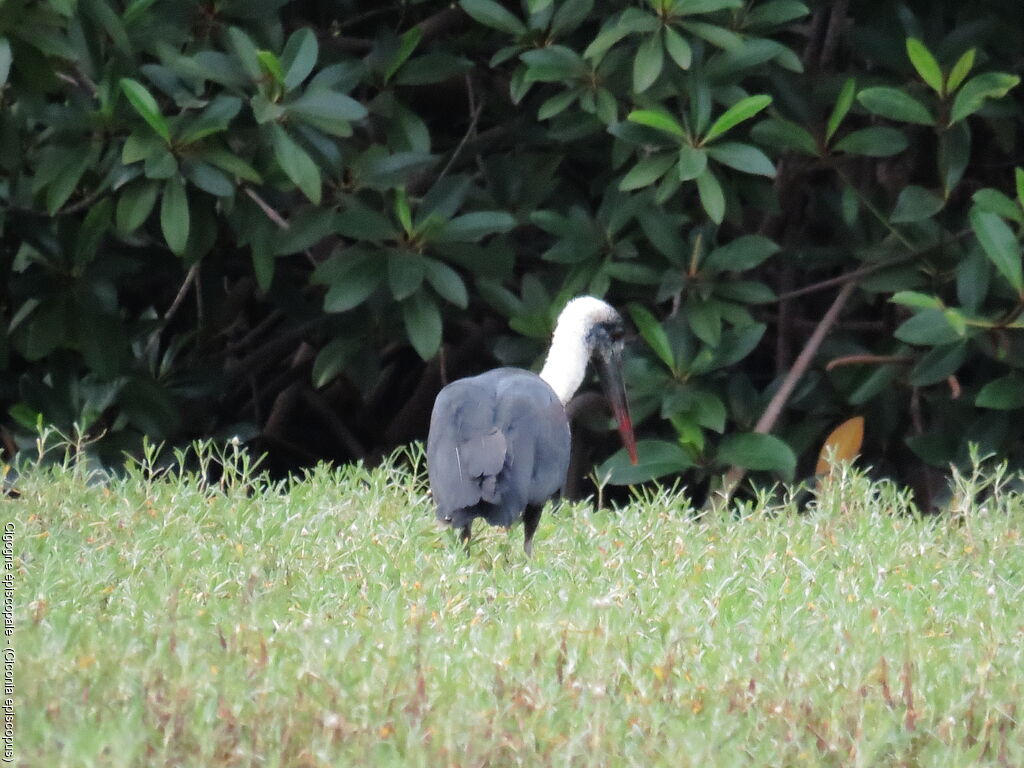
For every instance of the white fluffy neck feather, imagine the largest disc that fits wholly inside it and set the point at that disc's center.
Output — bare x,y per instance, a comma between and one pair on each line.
566,364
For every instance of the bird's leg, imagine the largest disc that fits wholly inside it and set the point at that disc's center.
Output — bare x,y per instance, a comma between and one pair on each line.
531,517
464,536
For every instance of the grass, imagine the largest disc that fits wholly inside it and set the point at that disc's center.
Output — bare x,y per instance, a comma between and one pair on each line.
165,621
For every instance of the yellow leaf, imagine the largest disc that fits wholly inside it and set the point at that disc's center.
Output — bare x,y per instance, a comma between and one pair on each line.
843,444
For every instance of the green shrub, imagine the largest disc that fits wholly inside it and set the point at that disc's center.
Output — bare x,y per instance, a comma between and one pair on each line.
259,218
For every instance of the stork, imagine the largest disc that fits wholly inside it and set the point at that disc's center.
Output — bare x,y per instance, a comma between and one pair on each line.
498,446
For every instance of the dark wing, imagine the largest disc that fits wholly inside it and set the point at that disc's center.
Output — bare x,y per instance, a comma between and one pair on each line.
465,449
537,433
497,442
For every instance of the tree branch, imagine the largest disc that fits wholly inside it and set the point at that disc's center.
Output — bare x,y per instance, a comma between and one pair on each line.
771,414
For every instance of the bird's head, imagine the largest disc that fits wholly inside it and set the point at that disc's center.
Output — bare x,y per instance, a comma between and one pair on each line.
603,330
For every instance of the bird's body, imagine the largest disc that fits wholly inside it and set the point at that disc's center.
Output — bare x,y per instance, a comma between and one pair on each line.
501,468
499,442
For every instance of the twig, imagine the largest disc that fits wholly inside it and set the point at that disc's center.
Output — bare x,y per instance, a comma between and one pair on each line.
273,215
870,269
771,414
836,23
868,360
882,218
189,279
470,131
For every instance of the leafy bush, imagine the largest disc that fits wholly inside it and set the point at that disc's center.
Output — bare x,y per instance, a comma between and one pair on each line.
261,218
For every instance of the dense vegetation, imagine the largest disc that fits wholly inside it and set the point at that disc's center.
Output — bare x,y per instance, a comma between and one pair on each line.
327,621
292,221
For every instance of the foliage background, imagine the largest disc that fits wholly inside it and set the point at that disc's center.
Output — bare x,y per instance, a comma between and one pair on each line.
293,221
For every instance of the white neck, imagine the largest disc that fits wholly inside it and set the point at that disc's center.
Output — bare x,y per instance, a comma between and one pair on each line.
566,364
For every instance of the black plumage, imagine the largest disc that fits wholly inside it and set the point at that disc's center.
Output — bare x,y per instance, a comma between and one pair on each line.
498,448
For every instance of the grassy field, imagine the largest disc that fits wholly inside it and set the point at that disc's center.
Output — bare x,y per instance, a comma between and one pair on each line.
327,621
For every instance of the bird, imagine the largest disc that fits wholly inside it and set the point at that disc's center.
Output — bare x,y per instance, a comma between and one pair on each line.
498,445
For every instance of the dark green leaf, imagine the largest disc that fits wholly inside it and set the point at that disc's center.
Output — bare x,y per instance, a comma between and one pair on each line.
174,216
1004,394
994,201
557,104
296,164
5,60
938,364
960,70
742,110
358,276
653,333
659,119
972,279
972,97
446,282
422,324
692,162
299,57
925,64
233,164
405,273
494,15
143,102
134,205
334,358
473,227
208,178
754,450
570,14
914,204
630,21
246,53
263,264
646,172
407,43
876,381
271,65
328,110
306,228
929,327
647,64
663,231
895,105
775,12
678,48
743,253
705,321
711,196
655,458
954,154
360,222
786,135
742,157
842,107
877,141
1000,245
714,34
553,64
916,300
214,119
